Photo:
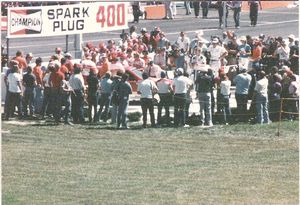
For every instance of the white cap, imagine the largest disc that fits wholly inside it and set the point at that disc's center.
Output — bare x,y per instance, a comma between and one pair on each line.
215,40
292,36
243,38
143,30
180,70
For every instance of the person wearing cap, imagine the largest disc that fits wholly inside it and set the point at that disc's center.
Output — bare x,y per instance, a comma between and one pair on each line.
216,55
28,58
165,91
77,97
147,88
181,84
262,102
291,38
253,4
204,84
198,41
242,82
244,52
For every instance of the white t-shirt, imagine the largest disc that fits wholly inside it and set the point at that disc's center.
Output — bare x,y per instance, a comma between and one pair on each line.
216,53
146,87
183,43
261,86
225,87
163,85
181,84
13,79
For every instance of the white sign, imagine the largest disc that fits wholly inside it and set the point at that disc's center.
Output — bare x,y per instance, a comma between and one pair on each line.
67,19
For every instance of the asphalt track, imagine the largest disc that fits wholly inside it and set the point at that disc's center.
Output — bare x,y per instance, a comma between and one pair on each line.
276,22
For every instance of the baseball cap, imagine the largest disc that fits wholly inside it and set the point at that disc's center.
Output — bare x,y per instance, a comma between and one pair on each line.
180,70
243,38
243,68
292,36
143,30
215,40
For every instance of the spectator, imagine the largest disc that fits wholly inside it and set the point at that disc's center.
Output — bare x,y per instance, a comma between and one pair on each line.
29,82
256,54
21,60
275,90
92,96
168,10
293,102
56,78
105,93
181,86
47,106
183,42
38,99
69,63
124,90
225,97
136,11
236,6
261,89
114,97
196,5
28,58
216,55
77,97
204,83
187,6
242,82
138,62
147,89
165,92
66,99
244,52
294,57
254,11
153,70
205,7
14,82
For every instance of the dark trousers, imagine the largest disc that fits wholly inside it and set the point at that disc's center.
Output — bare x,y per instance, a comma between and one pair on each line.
253,13
204,6
225,108
122,113
46,107
147,104
236,16
221,14
165,101
77,98
196,7
66,102
179,109
274,108
104,103
136,13
56,102
13,100
241,101
28,101
93,104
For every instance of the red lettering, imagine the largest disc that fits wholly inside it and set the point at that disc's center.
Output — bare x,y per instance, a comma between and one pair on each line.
110,15
120,15
101,16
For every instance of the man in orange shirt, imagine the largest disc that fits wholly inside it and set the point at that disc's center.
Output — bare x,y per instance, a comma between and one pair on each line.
20,58
256,54
37,71
63,68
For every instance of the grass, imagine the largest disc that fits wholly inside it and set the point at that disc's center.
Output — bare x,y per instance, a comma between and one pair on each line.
95,164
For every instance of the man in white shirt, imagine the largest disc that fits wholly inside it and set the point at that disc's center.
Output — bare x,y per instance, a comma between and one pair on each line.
225,96
147,88
165,90
217,54
261,89
153,70
14,81
183,42
181,85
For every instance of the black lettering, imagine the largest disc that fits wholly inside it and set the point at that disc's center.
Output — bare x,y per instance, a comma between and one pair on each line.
55,25
51,14
85,12
70,25
80,25
67,13
59,12
76,12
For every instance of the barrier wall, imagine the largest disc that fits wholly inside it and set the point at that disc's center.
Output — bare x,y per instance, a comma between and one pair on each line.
155,11
269,4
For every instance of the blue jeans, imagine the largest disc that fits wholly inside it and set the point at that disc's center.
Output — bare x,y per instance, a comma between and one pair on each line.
104,103
225,108
205,108
262,109
38,99
122,113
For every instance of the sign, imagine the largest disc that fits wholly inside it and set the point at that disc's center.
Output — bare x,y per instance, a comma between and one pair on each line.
67,19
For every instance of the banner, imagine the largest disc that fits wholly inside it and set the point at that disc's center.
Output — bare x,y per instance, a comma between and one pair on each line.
67,19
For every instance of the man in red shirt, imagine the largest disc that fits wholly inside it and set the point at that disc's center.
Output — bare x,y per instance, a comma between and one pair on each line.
20,58
56,78
37,71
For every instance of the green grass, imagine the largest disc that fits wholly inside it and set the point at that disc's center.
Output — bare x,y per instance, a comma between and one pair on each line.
94,164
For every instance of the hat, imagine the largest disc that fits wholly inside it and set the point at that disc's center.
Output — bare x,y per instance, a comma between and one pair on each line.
243,38
180,70
199,33
143,30
292,36
29,55
68,55
243,68
215,40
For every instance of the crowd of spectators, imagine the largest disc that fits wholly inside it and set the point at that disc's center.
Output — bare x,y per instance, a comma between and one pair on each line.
264,70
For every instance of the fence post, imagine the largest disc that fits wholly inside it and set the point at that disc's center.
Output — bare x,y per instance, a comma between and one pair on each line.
280,113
